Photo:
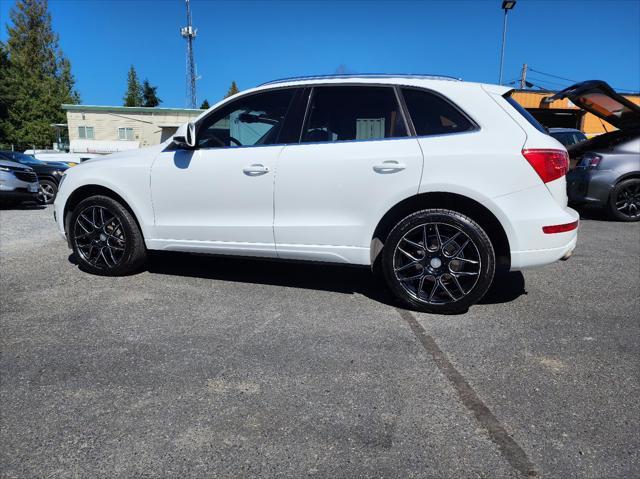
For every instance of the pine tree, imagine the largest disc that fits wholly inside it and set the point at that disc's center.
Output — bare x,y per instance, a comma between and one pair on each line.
35,77
233,89
133,95
149,94
205,105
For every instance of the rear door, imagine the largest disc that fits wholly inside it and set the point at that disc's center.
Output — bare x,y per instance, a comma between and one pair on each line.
355,160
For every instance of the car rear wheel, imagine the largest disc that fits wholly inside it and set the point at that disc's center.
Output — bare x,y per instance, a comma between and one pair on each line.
105,237
48,191
438,261
624,201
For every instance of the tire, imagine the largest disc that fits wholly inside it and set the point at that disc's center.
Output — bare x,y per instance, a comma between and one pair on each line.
106,238
453,272
624,201
48,192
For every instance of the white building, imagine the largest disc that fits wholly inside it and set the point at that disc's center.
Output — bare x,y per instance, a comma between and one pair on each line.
106,129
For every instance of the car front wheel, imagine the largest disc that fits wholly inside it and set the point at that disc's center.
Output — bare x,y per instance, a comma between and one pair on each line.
105,237
438,261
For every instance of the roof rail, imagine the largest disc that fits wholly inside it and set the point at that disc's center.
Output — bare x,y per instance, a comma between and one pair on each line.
363,75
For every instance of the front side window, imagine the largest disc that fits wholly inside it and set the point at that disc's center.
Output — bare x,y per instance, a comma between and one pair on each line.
433,115
125,133
344,113
85,132
250,121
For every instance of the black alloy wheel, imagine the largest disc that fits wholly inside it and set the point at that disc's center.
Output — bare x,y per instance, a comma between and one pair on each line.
438,261
624,201
105,237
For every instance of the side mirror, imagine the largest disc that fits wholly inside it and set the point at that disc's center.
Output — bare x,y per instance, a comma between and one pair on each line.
185,136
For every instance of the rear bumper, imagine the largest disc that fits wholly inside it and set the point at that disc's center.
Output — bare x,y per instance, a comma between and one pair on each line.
538,257
527,212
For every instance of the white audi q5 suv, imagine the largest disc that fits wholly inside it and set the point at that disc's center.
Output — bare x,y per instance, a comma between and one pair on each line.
434,182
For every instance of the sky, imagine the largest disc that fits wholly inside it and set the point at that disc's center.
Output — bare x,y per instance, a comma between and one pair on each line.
256,41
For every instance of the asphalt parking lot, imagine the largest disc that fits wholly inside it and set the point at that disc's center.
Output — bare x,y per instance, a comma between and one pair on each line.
209,367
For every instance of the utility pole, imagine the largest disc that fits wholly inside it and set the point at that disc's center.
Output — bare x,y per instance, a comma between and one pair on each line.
189,33
523,77
506,6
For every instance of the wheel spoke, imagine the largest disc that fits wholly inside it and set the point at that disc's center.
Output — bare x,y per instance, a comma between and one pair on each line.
438,237
447,290
465,273
408,255
458,285
413,243
412,278
436,284
407,266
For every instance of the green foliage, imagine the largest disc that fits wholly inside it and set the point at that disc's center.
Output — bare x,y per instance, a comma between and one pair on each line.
205,105
35,77
149,95
133,95
233,89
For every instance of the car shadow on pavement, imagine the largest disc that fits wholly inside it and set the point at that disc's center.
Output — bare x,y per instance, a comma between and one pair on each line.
319,276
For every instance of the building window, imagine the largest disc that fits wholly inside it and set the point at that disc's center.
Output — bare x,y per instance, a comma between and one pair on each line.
125,133
85,132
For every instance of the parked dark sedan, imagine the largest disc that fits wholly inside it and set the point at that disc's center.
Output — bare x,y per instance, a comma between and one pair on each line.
607,171
49,173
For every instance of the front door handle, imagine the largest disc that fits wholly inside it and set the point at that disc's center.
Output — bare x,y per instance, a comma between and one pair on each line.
390,166
255,170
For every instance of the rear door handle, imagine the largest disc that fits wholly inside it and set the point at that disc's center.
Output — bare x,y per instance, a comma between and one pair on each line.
255,170
390,166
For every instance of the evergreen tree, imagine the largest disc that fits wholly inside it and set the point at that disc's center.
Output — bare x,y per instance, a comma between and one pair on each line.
149,94
133,95
205,105
35,77
233,89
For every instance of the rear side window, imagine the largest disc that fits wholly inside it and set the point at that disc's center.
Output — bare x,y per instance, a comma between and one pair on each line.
433,115
343,113
528,116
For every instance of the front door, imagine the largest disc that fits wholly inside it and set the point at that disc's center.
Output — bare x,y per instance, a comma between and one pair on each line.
219,197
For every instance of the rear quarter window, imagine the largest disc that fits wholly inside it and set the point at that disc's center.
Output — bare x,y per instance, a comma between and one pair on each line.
520,109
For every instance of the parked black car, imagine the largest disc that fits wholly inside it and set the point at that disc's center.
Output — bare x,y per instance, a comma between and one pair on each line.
607,171
49,173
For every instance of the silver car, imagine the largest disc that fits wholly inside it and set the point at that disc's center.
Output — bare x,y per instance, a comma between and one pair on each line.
17,182
607,171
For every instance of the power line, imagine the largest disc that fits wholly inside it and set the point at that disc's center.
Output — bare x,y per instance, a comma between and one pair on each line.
575,81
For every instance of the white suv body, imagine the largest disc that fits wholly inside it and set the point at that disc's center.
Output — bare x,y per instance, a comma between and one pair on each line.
339,172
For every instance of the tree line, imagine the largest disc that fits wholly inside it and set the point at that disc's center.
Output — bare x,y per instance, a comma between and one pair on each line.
36,79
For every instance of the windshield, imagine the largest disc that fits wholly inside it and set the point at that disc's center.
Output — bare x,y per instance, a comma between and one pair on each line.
525,113
20,158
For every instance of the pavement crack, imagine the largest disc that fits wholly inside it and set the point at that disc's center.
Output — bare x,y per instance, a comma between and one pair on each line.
509,448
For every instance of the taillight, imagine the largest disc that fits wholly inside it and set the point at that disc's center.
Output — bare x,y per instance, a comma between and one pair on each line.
560,228
549,164
589,161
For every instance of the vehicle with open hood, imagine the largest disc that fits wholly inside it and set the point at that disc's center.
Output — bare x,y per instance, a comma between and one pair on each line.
607,167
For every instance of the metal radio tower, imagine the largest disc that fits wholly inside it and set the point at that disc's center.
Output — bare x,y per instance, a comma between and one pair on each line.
189,32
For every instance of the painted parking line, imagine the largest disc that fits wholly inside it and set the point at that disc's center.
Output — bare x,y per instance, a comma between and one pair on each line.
508,447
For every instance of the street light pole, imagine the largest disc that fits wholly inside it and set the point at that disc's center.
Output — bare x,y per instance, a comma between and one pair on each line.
506,6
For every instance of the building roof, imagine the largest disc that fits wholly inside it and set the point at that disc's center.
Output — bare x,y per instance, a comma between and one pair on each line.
129,109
